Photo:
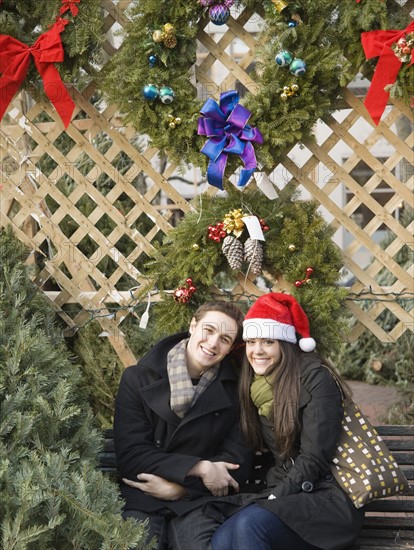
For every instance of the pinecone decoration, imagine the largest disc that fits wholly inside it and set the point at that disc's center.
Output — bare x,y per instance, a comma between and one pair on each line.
170,41
253,255
233,250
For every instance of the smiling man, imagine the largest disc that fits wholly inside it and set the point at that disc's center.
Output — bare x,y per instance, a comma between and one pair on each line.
176,432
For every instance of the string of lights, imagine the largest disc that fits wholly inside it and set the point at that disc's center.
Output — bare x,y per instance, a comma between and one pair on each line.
114,312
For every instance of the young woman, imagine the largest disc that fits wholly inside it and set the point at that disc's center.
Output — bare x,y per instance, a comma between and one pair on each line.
291,405
176,432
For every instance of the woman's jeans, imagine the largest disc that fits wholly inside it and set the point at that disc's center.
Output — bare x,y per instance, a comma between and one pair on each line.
256,528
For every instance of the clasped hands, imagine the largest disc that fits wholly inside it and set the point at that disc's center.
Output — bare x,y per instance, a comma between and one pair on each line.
214,475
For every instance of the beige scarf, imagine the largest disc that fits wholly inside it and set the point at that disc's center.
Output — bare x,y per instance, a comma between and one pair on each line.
183,392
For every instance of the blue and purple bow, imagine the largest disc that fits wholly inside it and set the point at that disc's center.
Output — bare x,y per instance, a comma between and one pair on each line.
227,130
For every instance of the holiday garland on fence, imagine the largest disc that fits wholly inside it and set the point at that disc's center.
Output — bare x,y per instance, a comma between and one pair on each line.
305,54
61,37
216,242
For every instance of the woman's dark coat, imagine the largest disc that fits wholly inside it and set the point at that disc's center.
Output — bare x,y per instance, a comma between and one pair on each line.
323,516
307,498
150,438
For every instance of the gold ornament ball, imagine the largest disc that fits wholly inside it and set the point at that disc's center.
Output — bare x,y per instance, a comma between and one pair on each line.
280,5
169,28
295,87
158,36
178,121
172,124
292,247
196,246
283,96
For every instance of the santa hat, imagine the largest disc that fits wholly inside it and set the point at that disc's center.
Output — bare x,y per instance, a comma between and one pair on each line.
278,317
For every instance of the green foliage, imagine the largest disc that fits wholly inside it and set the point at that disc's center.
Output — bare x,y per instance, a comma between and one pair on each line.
125,86
102,371
100,364
82,38
52,494
328,41
298,238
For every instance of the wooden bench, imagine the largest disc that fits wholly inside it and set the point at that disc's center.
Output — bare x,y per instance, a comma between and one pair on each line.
389,522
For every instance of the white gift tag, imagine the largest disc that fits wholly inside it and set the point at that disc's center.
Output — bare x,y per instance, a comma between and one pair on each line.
265,185
253,227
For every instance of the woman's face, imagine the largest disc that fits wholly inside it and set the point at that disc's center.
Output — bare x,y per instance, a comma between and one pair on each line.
262,354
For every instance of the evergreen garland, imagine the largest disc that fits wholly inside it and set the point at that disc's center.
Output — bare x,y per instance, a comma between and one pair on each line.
298,238
328,41
52,494
82,38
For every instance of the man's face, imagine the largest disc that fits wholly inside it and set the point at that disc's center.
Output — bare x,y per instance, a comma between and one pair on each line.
211,340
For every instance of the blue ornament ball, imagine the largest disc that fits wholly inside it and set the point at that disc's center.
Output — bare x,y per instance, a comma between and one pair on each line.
292,23
297,67
153,59
284,58
167,95
219,14
150,92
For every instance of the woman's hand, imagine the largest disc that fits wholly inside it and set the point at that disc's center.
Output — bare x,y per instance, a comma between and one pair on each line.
157,487
215,476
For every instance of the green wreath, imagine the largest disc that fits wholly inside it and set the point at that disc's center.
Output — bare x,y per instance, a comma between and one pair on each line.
328,40
297,248
82,39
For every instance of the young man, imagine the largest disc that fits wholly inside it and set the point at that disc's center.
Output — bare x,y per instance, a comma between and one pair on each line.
176,429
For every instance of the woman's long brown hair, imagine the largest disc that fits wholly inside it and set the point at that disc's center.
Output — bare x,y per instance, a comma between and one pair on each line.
285,379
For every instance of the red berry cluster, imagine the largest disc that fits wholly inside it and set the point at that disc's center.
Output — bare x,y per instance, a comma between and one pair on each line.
309,272
183,294
216,232
263,225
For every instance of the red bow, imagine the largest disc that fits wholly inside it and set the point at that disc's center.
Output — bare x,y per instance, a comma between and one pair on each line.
378,43
69,5
14,63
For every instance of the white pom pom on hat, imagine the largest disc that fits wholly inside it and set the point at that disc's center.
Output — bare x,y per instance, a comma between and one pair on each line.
278,316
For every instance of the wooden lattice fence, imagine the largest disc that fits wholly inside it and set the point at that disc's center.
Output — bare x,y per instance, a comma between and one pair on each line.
53,197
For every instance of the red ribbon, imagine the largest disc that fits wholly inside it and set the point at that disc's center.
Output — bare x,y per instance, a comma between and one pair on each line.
14,64
378,43
70,5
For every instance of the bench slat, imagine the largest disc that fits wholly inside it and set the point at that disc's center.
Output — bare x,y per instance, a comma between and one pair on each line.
395,430
388,522
401,504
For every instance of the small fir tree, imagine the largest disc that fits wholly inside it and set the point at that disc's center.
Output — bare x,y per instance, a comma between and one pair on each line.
52,494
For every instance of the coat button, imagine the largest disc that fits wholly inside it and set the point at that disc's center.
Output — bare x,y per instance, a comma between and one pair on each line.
307,486
158,442
216,413
329,478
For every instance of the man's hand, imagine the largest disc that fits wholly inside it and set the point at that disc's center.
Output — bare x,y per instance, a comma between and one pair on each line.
157,487
215,476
